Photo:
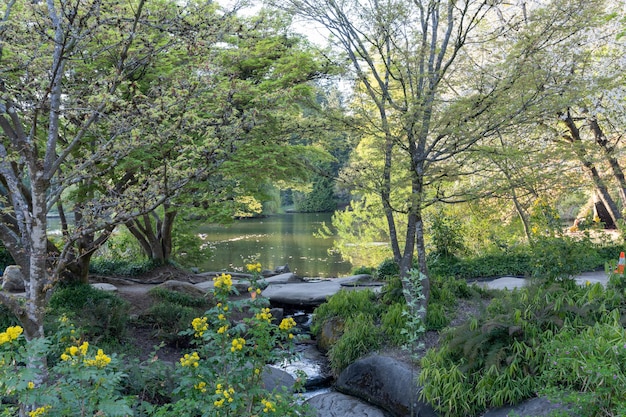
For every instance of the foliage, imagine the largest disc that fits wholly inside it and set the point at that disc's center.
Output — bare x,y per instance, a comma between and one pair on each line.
128,268
511,262
84,381
497,358
393,320
222,375
388,268
5,258
446,234
588,364
101,315
320,199
171,314
360,336
345,304
414,313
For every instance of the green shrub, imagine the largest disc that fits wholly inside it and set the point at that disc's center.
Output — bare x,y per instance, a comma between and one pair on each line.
391,292
361,336
392,322
496,358
103,266
345,304
100,314
370,270
5,258
436,316
172,312
587,368
387,269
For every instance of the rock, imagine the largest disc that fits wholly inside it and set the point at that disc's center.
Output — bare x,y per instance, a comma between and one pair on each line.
183,287
334,404
282,269
534,407
12,279
277,378
104,286
356,280
304,294
286,278
386,383
330,333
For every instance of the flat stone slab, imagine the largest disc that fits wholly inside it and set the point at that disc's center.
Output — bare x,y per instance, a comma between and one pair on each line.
303,294
104,286
505,283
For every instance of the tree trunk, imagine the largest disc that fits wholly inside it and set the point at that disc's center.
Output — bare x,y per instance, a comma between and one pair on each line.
609,155
575,139
154,237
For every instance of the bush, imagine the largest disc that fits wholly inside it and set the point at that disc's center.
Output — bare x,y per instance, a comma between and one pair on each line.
345,304
387,269
172,312
101,315
392,322
587,368
360,337
129,268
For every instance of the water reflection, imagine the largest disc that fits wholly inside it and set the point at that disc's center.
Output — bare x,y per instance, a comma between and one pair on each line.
275,241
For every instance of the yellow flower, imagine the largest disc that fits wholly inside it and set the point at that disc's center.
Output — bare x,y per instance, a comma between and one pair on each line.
190,359
30,385
287,324
254,267
218,403
223,281
14,332
264,315
39,411
200,325
100,361
200,386
269,406
83,348
238,344
10,334
65,357
222,329
73,350
221,317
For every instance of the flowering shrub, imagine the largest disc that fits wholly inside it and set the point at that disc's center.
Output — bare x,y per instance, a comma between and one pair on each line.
222,376
81,381
64,375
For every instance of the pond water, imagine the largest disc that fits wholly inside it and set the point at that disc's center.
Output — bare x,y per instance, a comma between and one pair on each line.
275,241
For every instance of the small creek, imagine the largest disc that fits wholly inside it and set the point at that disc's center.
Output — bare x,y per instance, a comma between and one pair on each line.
308,359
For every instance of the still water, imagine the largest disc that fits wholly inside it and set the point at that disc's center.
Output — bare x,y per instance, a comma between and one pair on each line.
275,241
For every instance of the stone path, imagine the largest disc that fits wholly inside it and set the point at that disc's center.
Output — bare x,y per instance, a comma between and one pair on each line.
585,278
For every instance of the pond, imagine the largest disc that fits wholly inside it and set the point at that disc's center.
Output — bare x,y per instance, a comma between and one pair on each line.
275,241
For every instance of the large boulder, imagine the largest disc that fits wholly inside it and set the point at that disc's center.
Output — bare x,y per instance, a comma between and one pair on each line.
183,287
335,404
387,383
12,279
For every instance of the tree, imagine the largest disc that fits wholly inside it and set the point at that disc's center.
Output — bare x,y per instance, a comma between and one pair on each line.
403,55
71,114
260,77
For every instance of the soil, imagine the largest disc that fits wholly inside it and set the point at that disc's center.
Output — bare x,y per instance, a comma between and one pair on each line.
141,337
